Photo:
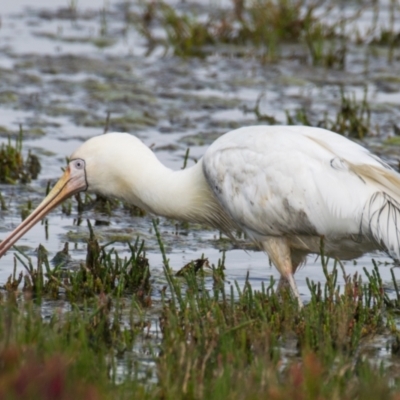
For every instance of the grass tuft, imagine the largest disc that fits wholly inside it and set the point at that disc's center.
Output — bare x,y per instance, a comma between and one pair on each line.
102,272
13,168
353,119
213,340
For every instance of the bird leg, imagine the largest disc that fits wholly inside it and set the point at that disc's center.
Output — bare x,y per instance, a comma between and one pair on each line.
278,251
283,284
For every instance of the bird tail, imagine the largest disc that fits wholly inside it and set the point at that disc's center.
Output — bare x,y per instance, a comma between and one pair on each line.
381,215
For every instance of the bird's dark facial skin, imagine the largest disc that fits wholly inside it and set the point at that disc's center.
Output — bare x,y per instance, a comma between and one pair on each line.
73,181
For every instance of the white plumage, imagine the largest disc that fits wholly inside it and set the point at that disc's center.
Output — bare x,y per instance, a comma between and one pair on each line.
302,181
286,187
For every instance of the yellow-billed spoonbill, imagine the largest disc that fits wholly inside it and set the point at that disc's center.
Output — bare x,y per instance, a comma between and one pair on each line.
286,187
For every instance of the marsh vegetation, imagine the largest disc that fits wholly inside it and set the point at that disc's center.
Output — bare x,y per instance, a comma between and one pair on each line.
115,304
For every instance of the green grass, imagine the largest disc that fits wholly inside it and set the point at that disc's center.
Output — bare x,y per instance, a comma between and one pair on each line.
103,271
208,340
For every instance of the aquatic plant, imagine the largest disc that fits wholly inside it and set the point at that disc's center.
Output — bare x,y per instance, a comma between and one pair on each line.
185,34
263,24
352,119
13,167
212,341
103,271
103,328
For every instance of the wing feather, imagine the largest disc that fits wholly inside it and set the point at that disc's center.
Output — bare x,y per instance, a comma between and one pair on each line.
304,181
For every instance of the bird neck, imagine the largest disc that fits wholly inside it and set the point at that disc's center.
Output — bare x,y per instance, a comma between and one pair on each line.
181,194
120,165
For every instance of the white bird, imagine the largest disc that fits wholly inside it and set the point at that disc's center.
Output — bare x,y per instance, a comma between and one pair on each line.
286,187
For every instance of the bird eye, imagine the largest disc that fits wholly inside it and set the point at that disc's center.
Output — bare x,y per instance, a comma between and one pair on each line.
79,164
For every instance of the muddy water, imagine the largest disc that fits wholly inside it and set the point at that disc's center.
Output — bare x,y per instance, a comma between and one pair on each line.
61,72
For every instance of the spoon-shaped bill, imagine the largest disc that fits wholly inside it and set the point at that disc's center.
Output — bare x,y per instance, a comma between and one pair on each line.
72,181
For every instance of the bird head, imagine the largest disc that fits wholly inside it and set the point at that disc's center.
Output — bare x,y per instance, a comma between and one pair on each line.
98,165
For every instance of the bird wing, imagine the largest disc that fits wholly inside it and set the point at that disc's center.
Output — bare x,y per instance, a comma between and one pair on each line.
303,181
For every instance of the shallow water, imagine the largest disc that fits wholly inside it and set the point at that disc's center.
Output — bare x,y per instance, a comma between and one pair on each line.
62,83
59,86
